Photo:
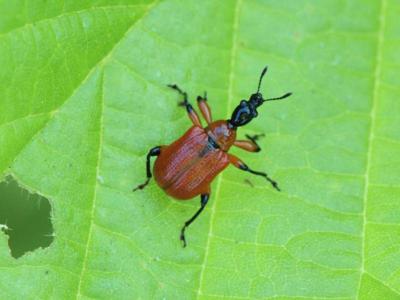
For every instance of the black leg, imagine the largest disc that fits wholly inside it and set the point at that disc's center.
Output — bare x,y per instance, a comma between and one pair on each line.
185,101
153,152
265,175
203,202
189,108
254,139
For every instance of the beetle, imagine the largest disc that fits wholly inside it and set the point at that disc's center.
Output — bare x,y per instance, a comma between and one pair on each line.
186,168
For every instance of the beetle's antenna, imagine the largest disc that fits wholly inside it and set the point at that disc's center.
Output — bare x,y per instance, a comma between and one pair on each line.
261,77
278,98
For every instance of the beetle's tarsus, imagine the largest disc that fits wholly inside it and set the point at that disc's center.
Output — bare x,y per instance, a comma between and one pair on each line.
255,137
185,101
182,236
178,89
275,185
142,186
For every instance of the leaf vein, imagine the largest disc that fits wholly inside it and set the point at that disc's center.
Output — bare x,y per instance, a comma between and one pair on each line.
230,99
375,95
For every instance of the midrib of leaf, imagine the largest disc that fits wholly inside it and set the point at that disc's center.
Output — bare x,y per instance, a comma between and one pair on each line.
101,123
229,104
100,145
375,95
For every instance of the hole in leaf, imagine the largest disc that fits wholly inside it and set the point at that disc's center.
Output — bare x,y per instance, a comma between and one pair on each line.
25,218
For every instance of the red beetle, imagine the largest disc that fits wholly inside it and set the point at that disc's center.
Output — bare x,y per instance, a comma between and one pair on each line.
186,168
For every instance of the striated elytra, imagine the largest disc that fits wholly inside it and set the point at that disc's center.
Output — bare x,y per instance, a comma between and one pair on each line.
186,168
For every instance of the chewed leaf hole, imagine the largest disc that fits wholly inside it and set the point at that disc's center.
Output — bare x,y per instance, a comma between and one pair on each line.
25,217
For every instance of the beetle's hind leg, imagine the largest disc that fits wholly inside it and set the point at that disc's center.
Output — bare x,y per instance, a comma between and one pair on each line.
203,203
189,108
153,152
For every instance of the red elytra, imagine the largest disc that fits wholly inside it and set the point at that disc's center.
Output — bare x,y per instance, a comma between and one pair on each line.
186,168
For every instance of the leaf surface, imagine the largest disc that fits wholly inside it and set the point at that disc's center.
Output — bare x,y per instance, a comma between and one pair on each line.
83,97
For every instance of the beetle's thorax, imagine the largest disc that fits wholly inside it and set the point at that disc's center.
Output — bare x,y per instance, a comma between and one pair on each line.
222,133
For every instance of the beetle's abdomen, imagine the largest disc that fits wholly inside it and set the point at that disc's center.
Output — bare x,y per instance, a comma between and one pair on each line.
185,168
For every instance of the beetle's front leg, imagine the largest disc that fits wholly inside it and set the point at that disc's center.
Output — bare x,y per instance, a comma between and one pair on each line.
153,152
242,166
204,108
189,108
250,145
203,202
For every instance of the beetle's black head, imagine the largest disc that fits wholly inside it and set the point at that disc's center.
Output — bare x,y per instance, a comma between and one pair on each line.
247,109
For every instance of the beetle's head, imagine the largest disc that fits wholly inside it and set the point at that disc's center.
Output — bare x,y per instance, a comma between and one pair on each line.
247,109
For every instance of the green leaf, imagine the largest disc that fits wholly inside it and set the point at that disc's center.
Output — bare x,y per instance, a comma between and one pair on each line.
83,97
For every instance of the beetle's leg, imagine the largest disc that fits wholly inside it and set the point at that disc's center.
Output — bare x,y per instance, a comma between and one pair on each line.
254,138
184,94
153,152
247,145
189,108
241,165
203,202
204,108
250,145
